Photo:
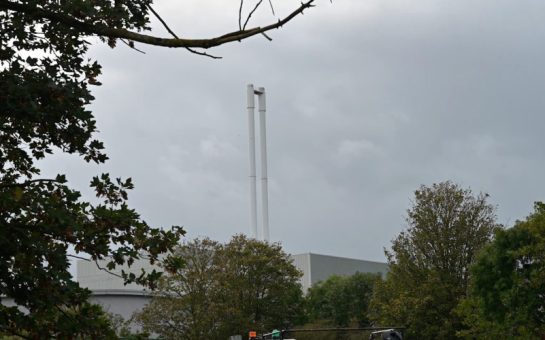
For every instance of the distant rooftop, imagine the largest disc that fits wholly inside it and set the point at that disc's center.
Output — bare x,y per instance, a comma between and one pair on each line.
315,268
318,267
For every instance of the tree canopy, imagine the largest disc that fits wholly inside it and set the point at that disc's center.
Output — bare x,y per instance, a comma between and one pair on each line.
508,283
225,289
184,304
45,80
341,301
430,261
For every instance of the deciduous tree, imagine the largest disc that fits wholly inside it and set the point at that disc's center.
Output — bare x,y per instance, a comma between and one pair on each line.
430,261
341,301
259,286
225,289
184,305
507,297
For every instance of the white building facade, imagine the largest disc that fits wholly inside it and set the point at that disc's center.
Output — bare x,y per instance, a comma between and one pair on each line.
109,291
317,267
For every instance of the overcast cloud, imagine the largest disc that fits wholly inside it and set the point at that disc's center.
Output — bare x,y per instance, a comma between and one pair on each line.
367,100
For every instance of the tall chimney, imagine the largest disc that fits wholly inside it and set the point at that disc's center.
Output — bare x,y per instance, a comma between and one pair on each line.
251,93
251,130
261,99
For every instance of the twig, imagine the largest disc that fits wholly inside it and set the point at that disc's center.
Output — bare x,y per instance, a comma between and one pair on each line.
203,53
79,257
107,271
240,15
131,45
162,22
98,265
250,15
272,8
176,36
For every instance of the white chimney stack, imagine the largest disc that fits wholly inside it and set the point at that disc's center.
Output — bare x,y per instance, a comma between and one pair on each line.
261,99
260,92
251,135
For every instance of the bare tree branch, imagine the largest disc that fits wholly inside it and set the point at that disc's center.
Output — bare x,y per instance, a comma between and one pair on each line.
176,36
202,53
251,13
272,7
116,33
131,45
163,22
107,271
79,257
240,15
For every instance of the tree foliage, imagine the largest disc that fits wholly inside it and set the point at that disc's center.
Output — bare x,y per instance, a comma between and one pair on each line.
45,80
430,261
184,304
341,301
225,289
508,284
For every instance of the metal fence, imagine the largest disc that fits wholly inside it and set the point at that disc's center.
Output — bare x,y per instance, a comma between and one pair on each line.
386,333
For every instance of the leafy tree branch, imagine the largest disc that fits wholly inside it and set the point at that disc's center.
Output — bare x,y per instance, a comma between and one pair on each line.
37,12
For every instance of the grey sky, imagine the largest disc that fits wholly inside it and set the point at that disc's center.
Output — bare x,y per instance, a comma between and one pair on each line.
367,100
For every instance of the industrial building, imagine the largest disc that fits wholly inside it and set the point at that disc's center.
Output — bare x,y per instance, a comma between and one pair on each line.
317,267
109,291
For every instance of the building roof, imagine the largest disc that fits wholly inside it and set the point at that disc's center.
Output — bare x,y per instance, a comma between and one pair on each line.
315,268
